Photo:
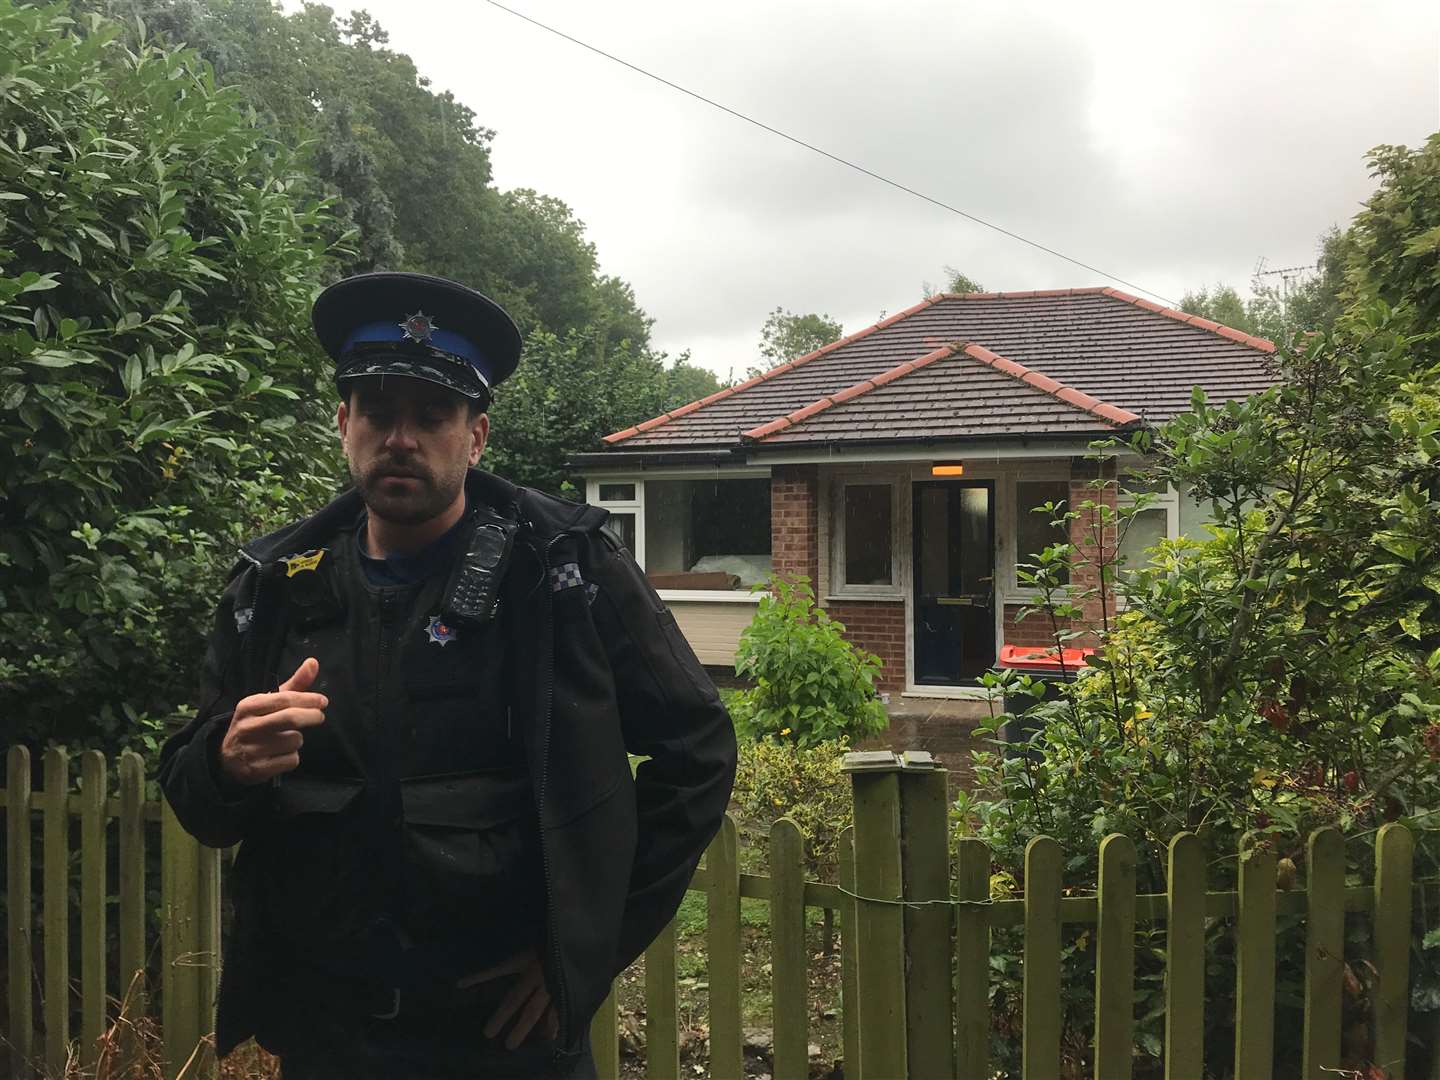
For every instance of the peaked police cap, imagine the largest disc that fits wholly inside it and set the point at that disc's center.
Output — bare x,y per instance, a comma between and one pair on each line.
419,327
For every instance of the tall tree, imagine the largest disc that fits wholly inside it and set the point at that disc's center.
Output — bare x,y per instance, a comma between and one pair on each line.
787,335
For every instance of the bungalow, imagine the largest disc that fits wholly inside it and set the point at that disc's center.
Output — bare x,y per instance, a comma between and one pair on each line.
898,467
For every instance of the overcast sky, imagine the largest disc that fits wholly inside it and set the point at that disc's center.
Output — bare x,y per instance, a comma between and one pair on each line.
1171,146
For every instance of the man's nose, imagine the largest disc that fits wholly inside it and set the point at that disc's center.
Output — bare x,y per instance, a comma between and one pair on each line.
402,435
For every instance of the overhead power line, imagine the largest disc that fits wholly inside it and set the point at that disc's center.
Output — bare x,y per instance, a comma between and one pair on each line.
827,154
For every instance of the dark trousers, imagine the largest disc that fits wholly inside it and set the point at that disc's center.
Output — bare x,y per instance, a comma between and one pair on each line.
415,1053
435,1040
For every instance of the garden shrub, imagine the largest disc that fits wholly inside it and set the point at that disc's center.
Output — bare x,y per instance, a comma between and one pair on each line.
811,685
775,779
1281,675
161,395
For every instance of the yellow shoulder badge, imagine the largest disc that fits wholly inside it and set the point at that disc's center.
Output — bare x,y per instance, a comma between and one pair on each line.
308,560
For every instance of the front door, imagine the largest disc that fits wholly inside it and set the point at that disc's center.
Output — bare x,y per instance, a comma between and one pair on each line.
954,572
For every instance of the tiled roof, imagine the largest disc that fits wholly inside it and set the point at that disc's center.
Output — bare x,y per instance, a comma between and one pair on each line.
1059,362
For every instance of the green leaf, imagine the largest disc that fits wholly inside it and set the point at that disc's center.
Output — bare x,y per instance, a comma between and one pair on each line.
14,395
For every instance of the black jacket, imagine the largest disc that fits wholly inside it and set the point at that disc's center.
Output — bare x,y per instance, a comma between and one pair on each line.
601,670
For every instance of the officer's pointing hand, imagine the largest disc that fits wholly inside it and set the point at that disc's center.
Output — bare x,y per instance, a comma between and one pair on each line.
264,737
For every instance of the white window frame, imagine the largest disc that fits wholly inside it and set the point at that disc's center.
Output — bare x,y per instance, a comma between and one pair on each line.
636,506
1167,500
838,587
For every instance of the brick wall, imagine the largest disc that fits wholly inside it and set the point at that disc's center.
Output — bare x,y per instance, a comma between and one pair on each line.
1084,533
1032,631
795,521
879,627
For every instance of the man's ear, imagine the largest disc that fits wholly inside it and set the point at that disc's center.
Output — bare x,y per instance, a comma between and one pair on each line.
342,421
479,433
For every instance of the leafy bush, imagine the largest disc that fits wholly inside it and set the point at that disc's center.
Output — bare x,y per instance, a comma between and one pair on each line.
1283,674
811,685
163,397
775,779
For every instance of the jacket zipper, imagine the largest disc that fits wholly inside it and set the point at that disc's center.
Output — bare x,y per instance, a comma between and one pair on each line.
562,993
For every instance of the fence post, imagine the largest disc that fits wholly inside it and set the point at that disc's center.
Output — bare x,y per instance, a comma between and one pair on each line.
972,960
1394,853
788,954
849,979
925,869
1185,959
179,934
662,1030
880,939
722,889
92,904
56,905
1115,960
19,933
132,889
1255,963
1041,1008
1324,953
605,1039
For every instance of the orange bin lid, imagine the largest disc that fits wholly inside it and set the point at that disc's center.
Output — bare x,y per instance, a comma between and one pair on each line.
1042,657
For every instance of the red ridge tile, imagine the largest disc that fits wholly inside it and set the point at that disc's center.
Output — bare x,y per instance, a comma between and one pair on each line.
777,370
1263,344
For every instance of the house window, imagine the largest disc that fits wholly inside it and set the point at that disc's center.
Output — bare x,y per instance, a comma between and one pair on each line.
868,527
711,534
1035,529
707,534
864,545
624,503
1159,520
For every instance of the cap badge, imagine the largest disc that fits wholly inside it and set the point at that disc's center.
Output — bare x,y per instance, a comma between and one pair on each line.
308,560
439,633
418,327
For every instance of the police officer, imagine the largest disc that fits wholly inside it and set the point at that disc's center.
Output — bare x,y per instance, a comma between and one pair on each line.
415,714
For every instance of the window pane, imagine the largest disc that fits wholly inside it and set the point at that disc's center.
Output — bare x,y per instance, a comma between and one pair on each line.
1033,529
867,534
617,493
707,534
623,526
1144,530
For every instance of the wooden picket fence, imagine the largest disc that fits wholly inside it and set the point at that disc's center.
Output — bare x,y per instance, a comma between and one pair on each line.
915,938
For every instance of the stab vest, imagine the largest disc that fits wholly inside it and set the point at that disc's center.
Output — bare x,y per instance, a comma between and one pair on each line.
411,819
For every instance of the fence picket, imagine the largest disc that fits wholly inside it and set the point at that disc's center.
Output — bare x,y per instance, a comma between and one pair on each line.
788,955
1394,856
929,998
1185,960
972,960
722,875
1041,1036
92,904
1255,964
1324,953
662,1020
132,883
179,985
1115,960
19,933
55,874
880,942
605,1039
849,979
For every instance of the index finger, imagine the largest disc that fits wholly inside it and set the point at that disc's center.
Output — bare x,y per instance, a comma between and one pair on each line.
257,705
